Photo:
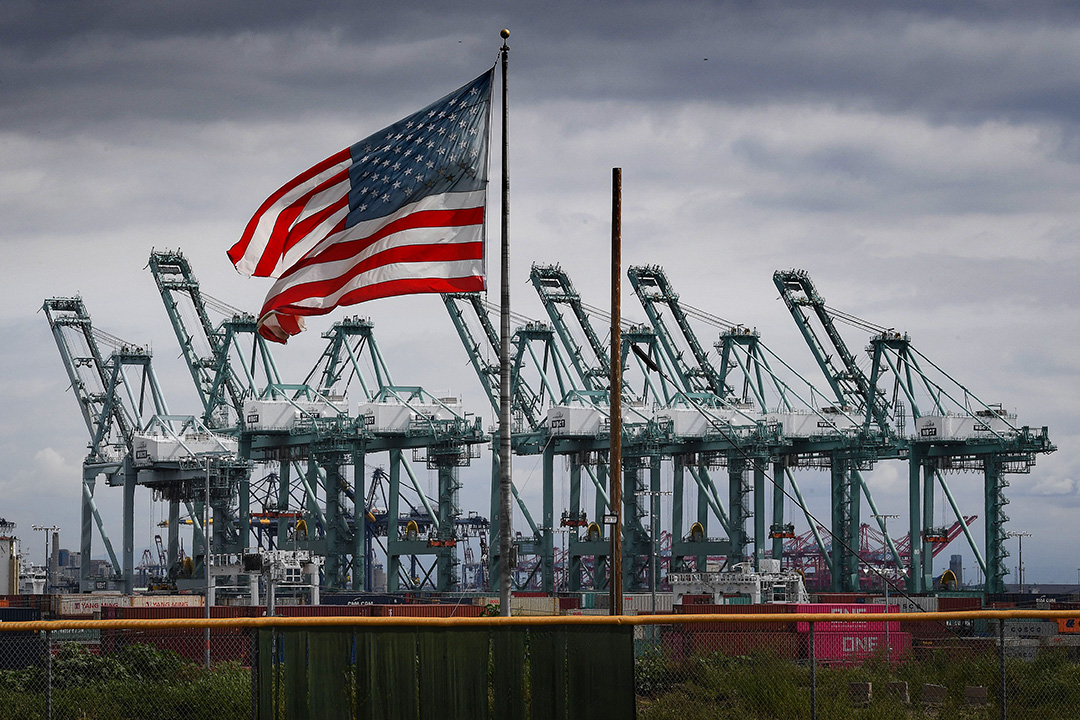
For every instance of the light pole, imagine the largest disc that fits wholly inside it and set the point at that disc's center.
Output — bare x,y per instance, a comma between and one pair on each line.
48,529
1020,535
884,518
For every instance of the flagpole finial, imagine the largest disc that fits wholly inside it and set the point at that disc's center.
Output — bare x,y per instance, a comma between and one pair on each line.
504,34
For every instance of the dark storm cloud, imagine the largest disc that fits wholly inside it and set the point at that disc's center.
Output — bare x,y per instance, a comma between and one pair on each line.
67,63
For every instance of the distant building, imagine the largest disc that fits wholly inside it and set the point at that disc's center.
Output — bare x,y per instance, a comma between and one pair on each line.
9,558
956,564
9,565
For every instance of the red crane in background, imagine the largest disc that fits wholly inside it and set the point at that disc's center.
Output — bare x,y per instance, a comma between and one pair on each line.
802,553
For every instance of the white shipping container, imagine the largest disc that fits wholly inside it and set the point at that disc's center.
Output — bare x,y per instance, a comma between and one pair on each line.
150,449
385,417
534,606
914,604
87,604
643,603
165,601
283,415
574,421
961,427
805,424
684,422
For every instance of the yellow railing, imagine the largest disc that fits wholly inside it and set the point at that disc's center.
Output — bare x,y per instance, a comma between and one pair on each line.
262,622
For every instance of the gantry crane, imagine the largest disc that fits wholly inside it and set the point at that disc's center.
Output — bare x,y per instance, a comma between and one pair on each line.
953,430
996,452
808,433
133,438
307,431
541,379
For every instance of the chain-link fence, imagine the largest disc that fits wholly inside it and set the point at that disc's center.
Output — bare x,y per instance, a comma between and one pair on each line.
1015,664
125,672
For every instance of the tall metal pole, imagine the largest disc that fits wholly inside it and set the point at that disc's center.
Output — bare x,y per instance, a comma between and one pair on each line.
49,530
884,518
505,508
1020,535
206,565
616,584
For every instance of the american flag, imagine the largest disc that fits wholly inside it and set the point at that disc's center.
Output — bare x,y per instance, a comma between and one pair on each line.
399,212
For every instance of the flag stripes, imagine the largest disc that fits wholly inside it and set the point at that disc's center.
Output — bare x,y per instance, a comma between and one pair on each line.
400,212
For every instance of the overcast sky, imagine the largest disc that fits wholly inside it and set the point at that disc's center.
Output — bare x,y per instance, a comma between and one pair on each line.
923,164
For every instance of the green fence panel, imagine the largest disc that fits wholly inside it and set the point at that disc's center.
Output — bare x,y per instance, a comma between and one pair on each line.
547,673
267,669
386,677
330,660
508,672
453,673
600,672
295,676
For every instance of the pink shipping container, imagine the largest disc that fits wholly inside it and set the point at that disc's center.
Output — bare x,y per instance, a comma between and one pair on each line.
853,648
844,625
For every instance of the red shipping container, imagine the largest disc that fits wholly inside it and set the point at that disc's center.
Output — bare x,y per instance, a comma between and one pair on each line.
926,629
324,611
739,625
569,603
785,646
954,604
853,648
440,611
842,625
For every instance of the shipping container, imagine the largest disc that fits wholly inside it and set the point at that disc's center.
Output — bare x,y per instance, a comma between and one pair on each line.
534,605
853,648
926,629
914,603
947,603
165,601
440,611
19,648
739,625
327,611
86,604
358,598
1068,625
643,602
784,646
840,625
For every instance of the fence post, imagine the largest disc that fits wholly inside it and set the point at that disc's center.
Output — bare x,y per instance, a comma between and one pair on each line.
813,675
253,653
48,675
1001,658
